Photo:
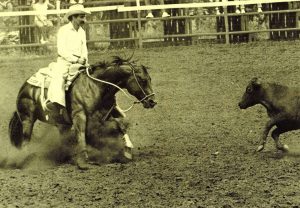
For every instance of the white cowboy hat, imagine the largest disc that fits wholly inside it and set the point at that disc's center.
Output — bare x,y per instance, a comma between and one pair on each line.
76,9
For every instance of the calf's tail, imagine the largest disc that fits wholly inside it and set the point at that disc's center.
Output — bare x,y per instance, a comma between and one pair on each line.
16,130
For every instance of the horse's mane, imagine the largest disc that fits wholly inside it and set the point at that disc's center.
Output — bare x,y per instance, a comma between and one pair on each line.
115,61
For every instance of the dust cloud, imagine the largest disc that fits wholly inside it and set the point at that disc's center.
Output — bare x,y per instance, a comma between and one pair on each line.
48,148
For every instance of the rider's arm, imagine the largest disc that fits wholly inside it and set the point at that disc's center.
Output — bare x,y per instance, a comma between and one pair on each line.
62,48
84,48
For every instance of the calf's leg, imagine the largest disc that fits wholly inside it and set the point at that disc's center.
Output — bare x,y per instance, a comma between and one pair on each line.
275,135
275,120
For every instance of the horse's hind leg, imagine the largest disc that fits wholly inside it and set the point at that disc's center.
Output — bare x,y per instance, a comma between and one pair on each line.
26,112
27,129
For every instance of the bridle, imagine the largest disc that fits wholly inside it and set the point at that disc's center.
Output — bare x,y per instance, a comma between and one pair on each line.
126,94
137,82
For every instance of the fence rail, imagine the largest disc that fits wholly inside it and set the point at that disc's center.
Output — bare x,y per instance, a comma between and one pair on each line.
224,3
138,19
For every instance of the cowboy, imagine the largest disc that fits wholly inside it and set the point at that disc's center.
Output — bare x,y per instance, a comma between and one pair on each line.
72,49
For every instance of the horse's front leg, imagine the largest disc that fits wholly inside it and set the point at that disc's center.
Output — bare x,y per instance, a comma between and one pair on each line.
79,122
118,113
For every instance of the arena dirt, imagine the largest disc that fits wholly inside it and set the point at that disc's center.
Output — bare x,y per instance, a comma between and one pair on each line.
195,149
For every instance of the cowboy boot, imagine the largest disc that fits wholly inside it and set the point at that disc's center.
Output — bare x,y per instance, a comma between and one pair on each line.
81,160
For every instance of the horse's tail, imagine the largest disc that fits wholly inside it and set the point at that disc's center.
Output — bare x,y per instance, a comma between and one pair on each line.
16,130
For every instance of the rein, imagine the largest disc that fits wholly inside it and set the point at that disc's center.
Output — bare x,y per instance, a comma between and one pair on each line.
123,91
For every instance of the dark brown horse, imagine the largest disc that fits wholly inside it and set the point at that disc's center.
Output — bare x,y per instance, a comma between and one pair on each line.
87,95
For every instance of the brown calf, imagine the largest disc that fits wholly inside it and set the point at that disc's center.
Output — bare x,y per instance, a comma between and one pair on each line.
283,108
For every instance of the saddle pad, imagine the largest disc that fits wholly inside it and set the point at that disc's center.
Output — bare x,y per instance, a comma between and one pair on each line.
43,75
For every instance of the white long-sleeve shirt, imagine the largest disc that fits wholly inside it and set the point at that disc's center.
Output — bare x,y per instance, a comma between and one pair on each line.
71,44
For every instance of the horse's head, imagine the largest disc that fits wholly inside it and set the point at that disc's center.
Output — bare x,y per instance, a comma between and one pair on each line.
138,83
129,75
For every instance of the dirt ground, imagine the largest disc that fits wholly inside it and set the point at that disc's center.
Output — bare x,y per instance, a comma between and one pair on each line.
194,149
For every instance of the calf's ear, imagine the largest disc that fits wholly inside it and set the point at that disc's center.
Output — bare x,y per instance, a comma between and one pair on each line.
255,82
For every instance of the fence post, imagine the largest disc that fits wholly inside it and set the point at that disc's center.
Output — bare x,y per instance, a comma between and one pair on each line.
57,9
226,24
139,24
58,15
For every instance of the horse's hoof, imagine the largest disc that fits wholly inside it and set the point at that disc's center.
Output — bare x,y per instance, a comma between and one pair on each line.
82,167
128,153
81,161
260,148
283,148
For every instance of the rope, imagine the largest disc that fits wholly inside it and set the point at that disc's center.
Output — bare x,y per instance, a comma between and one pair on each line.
112,84
109,83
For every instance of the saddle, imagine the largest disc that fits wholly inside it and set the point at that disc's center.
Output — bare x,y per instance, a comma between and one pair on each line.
42,78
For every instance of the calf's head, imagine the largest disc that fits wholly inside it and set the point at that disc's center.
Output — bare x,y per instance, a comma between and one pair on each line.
252,95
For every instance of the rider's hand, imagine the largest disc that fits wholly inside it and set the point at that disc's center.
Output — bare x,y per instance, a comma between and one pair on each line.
81,60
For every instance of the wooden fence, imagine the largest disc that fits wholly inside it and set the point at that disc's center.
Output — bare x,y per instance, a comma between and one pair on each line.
123,23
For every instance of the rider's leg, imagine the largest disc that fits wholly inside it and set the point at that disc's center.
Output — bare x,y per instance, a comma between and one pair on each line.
56,91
